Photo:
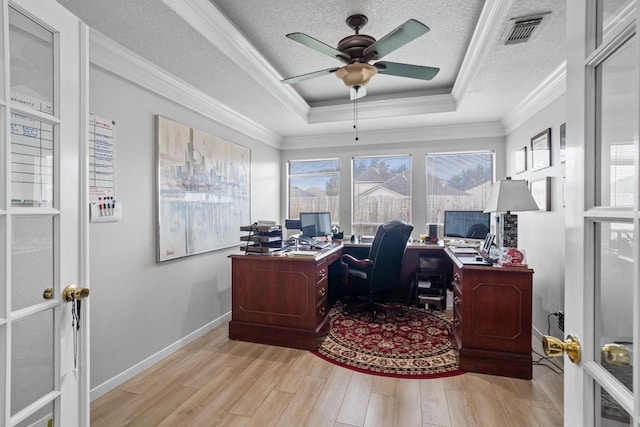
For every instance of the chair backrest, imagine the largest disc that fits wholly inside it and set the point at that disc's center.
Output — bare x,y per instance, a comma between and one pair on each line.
477,231
387,252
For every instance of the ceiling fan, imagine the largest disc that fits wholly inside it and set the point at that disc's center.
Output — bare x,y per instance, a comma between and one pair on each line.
358,49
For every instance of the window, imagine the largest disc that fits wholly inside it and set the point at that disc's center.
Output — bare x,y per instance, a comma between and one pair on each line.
457,181
314,187
381,192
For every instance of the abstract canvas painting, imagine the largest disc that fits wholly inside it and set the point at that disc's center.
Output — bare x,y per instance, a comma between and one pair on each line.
203,190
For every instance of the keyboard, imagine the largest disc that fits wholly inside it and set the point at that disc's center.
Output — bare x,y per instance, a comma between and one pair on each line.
318,244
464,244
321,245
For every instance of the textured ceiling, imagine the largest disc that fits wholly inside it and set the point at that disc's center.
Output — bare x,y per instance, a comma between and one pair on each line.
443,46
481,80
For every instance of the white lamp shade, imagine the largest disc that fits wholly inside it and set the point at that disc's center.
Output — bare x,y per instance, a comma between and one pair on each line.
510,195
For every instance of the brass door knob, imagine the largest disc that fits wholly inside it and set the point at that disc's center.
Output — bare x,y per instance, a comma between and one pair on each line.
615,354
72,293
553,347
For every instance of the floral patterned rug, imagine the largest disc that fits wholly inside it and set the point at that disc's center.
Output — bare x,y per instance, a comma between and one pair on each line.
418,344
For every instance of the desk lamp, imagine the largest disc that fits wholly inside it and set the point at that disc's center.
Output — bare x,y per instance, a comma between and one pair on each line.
509,195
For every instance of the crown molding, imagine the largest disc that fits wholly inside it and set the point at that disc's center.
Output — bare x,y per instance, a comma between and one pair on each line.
205,18
490,19
550,89
113,57
422,134
394,107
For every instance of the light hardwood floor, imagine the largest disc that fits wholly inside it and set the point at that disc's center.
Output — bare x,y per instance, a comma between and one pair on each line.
214,381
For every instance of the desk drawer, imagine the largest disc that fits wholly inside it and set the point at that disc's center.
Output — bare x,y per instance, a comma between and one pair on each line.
321,310
322,271
457,276
458,302
322,289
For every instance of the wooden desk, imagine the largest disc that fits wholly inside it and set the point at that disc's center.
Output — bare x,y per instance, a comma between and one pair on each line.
491,309
281,300
492,318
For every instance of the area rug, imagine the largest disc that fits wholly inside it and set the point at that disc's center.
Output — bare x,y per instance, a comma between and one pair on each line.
419,344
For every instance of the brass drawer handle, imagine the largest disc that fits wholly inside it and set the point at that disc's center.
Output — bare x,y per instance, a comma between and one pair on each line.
322,273
456,277
322,292
322,310
456,322
457,300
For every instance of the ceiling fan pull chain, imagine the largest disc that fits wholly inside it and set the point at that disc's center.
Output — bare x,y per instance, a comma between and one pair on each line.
355,114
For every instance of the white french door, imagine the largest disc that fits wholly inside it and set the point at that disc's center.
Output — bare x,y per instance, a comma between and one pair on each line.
43,230
602,292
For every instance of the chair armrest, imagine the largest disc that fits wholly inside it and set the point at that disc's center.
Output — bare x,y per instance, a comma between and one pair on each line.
355,261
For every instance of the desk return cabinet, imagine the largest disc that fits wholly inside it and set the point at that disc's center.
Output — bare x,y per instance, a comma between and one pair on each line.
281,300
492,319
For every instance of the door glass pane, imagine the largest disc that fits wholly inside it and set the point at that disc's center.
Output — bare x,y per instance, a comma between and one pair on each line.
612,14
31,260
617,132
610,413
31,162
614,299
32,359
40,418
31,49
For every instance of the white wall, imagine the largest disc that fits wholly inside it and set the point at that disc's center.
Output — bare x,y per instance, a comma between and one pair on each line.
140,307
542,234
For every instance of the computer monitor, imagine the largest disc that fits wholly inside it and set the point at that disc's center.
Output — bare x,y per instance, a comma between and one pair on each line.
466,224
315,224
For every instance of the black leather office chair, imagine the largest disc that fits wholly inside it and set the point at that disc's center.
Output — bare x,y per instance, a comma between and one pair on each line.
374,276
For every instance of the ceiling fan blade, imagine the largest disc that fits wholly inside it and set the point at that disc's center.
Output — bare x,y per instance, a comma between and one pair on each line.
317,45
302,77
397,38
406,70
357,92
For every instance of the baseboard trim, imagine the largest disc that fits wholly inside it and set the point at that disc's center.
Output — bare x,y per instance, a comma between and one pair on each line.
126,375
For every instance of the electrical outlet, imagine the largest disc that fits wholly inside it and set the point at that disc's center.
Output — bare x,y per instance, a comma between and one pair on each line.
560,316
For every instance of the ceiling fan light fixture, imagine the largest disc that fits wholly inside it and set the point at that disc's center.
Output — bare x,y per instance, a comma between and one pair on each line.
356,74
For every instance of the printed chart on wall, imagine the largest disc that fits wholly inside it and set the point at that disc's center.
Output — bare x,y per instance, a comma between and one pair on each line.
32,151
102,161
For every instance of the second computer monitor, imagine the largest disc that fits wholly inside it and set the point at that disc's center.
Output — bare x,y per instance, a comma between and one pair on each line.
315,224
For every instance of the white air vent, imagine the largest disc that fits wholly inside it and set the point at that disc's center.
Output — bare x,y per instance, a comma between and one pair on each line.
521,30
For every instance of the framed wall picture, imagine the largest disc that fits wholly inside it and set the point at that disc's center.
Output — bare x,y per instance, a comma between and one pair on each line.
563,143
521,160
541,150
203,190
541,192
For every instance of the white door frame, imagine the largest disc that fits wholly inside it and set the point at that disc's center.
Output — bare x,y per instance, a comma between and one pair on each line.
70,395
580,380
